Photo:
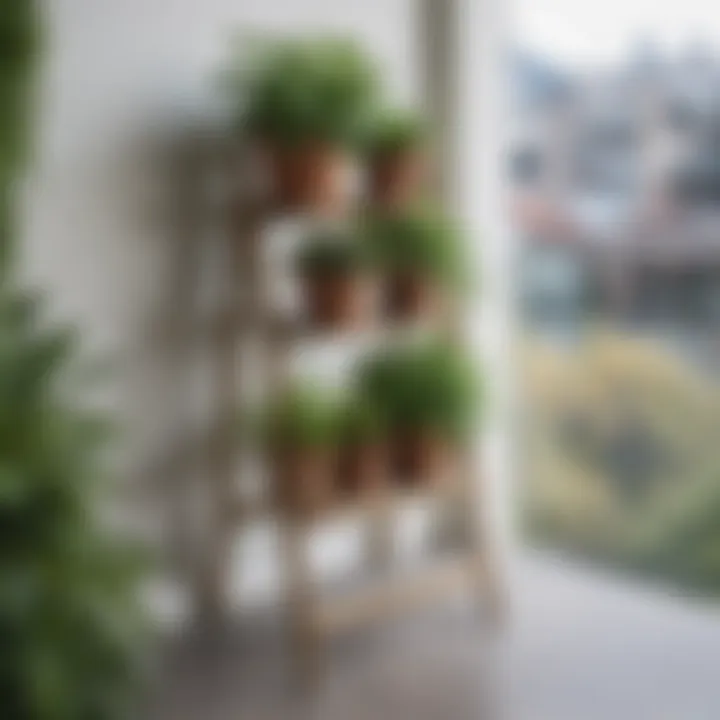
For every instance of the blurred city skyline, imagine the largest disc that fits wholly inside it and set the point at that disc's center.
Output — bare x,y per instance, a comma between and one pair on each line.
614,176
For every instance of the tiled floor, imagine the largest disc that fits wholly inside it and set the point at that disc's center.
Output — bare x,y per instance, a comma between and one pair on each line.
587,647
433,667
579,647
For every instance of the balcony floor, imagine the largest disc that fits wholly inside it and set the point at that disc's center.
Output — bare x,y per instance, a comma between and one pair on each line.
579,647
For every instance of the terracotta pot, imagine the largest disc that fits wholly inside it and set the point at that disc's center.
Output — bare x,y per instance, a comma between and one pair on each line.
421,457
309,177
340,300
410,296
303,478
362,469
395,179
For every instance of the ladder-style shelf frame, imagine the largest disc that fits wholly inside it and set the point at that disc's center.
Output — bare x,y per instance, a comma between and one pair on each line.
311,617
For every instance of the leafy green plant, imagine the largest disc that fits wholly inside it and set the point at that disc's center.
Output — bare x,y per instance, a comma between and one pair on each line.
419,241
359,420
70,619
297,91
431,386
394,132
303,416
20,36
331,254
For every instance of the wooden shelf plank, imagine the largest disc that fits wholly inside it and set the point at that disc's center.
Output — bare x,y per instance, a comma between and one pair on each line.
391,501
227,323
396,595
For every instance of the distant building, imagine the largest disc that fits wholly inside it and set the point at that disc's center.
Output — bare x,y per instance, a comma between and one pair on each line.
616,189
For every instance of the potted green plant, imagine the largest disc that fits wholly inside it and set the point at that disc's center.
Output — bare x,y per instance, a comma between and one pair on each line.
304,101
396,159
421,256
338,283
300,432
428,396
362,467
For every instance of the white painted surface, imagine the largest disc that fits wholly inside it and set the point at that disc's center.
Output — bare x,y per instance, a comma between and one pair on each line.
123,81
481,126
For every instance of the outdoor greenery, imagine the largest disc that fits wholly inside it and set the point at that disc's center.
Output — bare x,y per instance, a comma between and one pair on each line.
70,627
298,91
430,386
621,455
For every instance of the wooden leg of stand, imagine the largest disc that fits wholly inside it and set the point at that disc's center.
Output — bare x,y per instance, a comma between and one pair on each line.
211,599
305,641
381,539
486,578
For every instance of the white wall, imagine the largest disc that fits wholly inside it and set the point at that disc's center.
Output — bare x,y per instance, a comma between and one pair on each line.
483,120
124,79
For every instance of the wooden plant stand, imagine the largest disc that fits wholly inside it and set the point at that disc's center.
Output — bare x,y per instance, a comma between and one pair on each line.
467,565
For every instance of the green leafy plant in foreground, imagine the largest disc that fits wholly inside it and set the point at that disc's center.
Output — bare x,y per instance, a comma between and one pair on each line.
70,621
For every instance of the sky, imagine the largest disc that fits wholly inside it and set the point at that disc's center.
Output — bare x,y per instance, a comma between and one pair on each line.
590,33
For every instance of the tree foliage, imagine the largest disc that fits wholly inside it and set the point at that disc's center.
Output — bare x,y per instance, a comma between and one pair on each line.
622,459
